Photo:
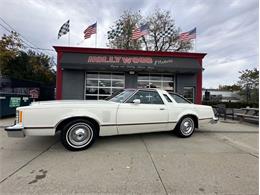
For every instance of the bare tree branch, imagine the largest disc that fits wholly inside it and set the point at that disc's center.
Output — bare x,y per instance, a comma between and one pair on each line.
146,46
159,21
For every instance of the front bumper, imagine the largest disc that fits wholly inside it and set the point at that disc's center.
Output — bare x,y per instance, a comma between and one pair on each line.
214,120
15,131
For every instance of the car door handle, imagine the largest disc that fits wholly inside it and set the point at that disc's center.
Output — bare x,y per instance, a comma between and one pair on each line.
162,108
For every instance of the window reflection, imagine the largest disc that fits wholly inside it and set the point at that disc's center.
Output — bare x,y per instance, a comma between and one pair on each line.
156,81
146,97
92,90
117,83
92,82
102,85
104,91
104,76
92,75
118,76
188,93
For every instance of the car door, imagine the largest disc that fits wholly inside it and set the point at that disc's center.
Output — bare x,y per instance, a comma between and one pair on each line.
148,115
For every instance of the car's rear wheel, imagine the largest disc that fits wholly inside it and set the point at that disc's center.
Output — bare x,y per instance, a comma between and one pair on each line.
185,127
78,135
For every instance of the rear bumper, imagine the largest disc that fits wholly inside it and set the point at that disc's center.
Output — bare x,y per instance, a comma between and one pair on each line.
214,120
15,131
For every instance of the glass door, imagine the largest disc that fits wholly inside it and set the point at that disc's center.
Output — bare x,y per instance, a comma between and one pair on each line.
188,93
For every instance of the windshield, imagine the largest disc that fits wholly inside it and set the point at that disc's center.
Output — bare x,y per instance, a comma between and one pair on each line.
121,97
179,99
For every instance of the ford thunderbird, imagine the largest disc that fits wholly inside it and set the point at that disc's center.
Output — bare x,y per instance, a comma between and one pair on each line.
127,112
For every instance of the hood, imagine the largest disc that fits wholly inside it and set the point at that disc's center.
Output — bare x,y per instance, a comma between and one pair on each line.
71,102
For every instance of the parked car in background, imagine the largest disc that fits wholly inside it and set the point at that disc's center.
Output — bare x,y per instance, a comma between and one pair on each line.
130,111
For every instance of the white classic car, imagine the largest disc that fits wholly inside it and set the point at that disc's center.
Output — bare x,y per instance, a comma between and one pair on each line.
129,111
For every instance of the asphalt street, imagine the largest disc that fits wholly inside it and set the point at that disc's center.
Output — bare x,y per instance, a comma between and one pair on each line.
217,159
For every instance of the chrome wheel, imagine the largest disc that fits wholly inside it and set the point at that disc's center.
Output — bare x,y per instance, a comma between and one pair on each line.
187,126
79,135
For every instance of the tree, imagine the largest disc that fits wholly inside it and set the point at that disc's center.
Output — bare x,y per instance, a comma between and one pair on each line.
159,21
233,87
249,82
20,64
128,21
10,45
249,78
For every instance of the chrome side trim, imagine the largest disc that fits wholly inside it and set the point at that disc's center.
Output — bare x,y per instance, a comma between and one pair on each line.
205,118
70,117
38,127
139,123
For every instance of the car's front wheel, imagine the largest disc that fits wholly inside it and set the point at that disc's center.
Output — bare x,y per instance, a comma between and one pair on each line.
185,127
78,135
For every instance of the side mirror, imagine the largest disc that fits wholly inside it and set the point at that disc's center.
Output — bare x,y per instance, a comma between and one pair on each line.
137,101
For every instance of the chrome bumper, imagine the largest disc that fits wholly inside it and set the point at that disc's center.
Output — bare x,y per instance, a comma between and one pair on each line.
15,131
214,120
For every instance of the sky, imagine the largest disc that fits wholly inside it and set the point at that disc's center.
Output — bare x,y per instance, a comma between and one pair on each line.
227,30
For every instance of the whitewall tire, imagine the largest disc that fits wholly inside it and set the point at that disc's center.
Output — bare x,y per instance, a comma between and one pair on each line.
78,135
185,127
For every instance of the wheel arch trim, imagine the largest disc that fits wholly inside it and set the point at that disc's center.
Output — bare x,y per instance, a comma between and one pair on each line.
75,116
192,114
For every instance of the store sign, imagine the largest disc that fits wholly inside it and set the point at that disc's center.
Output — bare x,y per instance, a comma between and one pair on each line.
127,60
120,59
34,93
14,102
104,62
25,99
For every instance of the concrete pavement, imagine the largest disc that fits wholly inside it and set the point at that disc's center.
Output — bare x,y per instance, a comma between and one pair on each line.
217,159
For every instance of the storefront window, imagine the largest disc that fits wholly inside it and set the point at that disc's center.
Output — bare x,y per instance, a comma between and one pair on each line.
104,91
92,82
92,75
118,76
118,83
102,85
105,76
160,81
92,90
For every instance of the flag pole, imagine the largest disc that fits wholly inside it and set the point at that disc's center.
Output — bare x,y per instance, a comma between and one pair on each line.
69,35
195,45
96,36
195,41
69,38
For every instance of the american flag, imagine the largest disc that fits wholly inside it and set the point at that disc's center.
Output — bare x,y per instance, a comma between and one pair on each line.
186,36
141,31
92,29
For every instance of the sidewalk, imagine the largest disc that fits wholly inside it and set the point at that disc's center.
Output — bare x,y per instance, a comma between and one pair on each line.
216,159
241,135
6,122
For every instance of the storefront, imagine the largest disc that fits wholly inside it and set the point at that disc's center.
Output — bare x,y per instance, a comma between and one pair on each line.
90,73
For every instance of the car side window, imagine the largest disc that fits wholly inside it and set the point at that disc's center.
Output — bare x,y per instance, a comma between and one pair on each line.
179,99
146,97
167,98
